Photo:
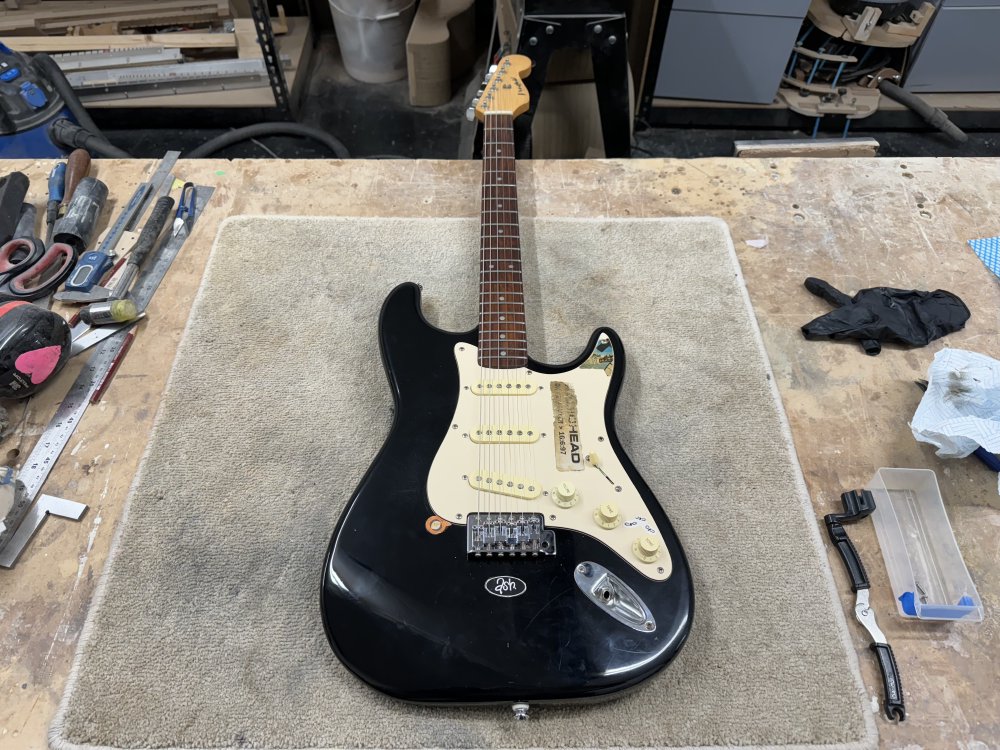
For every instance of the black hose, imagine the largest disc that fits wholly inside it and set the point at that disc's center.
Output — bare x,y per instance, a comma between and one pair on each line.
269,128
934,116
73,136
99,145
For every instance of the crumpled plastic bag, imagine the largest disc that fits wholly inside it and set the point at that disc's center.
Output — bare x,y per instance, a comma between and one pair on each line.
961,409
882,314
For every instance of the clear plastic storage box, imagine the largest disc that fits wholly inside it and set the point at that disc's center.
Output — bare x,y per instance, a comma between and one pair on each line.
928,576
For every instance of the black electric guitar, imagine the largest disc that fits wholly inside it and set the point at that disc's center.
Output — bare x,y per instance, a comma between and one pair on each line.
502,547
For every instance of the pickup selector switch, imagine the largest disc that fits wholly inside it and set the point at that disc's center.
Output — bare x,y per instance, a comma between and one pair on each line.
647,548
565,495
608,516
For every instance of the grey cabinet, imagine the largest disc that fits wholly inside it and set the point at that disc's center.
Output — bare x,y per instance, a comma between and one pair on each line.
728,50
960,51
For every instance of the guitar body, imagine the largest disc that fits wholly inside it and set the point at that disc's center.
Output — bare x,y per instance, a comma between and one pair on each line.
592,605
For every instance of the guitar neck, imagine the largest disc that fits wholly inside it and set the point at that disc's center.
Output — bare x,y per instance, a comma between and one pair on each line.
502,333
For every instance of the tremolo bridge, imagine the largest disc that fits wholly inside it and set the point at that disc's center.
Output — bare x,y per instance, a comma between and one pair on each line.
512,534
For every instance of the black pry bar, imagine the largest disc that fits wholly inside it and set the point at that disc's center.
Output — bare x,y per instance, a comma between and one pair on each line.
272,62
859,504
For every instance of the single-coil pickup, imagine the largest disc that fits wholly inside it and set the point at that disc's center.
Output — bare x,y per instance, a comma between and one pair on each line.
500,484
504,388
503,434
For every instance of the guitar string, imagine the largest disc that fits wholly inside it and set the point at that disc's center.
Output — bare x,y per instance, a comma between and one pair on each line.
481,355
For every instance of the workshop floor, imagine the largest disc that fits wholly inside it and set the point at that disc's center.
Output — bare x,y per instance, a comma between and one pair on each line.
377,121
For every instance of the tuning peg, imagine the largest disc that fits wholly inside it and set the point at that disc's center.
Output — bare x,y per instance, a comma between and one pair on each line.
470,114
492,69
479,94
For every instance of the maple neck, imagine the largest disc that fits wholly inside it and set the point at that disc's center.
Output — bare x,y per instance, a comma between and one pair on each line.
502,333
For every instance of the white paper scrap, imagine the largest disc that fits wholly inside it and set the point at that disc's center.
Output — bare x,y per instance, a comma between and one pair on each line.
961,409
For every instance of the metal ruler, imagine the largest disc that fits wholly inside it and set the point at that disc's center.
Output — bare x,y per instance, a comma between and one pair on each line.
165,80
35,469
117,58
25,517
143,196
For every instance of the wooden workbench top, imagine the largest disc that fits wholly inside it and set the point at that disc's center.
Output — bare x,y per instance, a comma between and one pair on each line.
853,222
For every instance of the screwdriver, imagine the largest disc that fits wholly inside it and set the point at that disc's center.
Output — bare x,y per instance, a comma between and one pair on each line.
57,189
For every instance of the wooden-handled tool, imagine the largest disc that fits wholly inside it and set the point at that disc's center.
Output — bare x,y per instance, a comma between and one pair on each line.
77,167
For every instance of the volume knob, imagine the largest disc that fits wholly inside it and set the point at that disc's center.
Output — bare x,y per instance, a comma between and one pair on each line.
565,495
647,548
608,516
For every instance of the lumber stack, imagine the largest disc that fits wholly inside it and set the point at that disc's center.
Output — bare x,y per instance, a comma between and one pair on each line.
208,49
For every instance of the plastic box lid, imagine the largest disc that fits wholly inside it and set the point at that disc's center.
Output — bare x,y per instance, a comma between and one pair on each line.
926,570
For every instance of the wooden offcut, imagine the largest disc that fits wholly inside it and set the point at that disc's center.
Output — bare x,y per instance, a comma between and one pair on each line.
55,17
806,147
439,48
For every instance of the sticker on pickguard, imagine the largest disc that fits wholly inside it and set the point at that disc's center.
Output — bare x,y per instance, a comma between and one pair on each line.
642,522
602,358
566,427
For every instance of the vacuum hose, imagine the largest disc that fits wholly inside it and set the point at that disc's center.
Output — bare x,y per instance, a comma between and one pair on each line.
89,136
73,136
97,144
934,116
269,128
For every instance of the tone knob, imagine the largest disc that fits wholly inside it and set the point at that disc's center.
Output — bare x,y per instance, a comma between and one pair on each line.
565,495
608,515
647,548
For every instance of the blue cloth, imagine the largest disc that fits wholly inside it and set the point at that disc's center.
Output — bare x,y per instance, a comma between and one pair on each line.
988,250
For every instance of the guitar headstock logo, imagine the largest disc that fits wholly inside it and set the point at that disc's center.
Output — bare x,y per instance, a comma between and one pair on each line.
504,90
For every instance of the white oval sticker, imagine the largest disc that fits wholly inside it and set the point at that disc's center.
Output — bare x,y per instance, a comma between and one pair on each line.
506,586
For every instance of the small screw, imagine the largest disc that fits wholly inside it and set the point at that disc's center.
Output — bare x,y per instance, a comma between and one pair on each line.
458,516
600,440
612,39
461,348
649,625
550,30
546,494
552,517
454,427
465,477
598,29
618,488
659,570
533,41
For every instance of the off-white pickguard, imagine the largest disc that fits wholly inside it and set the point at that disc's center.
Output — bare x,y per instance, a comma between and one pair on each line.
538,463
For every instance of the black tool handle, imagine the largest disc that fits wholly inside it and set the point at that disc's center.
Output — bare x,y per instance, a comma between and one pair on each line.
13,189
894,707
151,231
856,571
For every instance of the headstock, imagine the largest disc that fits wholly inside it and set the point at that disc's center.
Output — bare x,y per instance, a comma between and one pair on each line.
503,90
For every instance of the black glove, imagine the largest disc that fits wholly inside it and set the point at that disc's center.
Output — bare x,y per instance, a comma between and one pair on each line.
879,315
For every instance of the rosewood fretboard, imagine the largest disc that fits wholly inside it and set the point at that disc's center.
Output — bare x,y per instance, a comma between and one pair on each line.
502,340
